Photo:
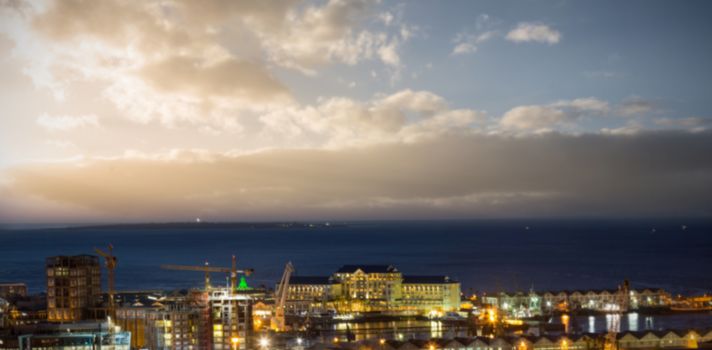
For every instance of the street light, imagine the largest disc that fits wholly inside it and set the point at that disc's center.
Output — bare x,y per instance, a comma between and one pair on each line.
234,341
264,342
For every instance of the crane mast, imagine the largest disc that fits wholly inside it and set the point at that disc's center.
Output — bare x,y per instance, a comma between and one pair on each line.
278,322
110,262
207,269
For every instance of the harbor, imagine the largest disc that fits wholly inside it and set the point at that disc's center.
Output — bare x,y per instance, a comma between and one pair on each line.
347,309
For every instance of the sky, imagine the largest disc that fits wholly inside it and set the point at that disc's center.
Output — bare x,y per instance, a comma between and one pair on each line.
129,111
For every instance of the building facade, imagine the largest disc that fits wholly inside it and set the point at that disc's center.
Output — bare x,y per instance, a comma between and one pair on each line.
8,290
160,327
372,288
73,287
437,293
85,335
231,319
521,304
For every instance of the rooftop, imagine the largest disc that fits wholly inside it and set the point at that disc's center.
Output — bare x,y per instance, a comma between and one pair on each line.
367,268
427,279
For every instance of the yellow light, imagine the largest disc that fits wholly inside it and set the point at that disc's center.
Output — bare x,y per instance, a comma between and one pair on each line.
264,342
382,341
336,339
235,340
431,347
515,322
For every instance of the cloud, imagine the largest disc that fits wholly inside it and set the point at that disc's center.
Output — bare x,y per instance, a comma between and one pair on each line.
463,48
473,175
532,117
226,78
693,124
403,116
467,42
635,106
534,32
632,127
66,122
540,118
209,65
330,33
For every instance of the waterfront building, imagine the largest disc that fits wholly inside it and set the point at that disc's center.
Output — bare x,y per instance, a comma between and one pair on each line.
690,339
521,304
372,288
217,319
706,336
649,298
73,287
160,322
8,290
481,344
72,336
231,319
368,288
426,293
28,310
309,293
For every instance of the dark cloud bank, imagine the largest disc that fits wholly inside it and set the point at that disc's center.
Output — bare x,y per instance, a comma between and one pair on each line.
456,176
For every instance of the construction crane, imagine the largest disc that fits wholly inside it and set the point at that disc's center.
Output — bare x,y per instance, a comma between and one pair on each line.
110,261
278,323
207,269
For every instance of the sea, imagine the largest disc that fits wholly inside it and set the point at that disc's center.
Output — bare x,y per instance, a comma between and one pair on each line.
484,255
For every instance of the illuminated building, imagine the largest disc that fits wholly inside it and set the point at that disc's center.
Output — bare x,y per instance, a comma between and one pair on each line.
521,304
367,287
161,323
75,336
231,319
308,293
73,287
673,340
430,293
12,289
372,288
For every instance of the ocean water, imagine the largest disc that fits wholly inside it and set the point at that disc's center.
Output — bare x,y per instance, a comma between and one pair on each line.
486,255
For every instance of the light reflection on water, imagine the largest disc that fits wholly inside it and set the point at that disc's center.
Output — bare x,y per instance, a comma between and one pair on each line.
633,321
613,323
591,324
636,322
424,329
400,330
649,324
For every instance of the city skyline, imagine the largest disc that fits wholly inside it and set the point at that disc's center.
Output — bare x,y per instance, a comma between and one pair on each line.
119,111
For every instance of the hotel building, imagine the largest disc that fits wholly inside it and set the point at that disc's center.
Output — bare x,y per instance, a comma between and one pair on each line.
372,288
